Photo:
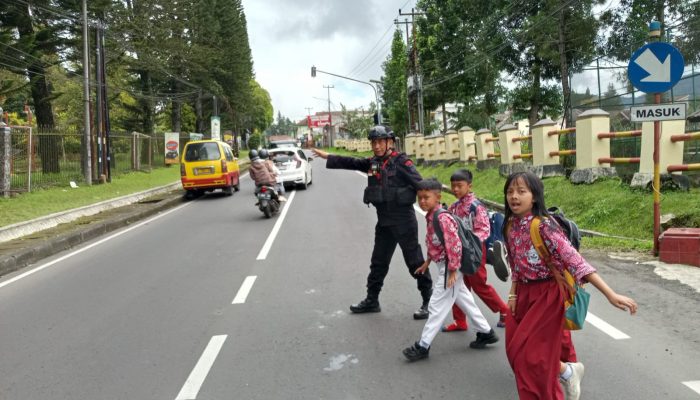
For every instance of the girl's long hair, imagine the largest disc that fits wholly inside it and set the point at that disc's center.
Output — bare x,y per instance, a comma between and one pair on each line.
536,187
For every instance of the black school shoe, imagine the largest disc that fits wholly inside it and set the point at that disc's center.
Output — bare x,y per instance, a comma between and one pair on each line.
416,352
366,306
422,312
499,260
482,339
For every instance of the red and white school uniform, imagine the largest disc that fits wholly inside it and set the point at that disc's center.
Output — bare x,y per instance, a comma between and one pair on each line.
447,257
535,338
477,282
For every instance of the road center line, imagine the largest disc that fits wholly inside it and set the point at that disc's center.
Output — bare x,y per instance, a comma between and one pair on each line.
362,174
99,242
244,290
194,382
271,238
693,385
605,327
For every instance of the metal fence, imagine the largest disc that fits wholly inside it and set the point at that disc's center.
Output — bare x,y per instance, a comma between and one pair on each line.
41,159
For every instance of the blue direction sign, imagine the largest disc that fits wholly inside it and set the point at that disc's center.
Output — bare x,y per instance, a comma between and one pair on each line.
655,67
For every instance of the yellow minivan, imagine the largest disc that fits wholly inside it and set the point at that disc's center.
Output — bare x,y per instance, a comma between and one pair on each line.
207,165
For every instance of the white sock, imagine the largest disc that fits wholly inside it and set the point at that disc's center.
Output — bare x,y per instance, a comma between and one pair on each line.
567,372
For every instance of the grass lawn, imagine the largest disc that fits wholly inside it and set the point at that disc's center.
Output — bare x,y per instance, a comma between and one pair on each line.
609,206
40,202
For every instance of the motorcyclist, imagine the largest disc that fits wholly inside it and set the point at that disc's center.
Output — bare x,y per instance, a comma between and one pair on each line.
265,155
261,172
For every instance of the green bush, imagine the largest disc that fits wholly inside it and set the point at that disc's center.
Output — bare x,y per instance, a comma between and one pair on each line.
254,141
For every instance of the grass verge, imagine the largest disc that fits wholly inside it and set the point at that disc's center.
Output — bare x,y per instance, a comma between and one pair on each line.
38,203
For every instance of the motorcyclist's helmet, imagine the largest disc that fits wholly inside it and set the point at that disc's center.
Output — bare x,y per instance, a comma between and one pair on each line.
380,132
253,155
264,154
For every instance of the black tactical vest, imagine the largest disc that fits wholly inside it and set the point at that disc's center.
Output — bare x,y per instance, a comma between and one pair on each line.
384,186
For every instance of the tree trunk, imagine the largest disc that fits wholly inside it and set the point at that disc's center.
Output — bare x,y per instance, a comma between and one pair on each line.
198,113
535,92
444,119
41,96
146,103
564,68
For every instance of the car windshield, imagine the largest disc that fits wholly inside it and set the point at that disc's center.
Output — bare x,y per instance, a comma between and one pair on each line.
207,151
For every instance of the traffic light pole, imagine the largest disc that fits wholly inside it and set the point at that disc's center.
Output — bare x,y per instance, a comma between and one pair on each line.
315,70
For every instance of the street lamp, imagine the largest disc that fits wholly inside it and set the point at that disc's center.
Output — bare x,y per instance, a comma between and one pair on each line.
315,71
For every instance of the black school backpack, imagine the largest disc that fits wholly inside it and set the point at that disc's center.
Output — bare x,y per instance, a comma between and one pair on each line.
471,245
568,226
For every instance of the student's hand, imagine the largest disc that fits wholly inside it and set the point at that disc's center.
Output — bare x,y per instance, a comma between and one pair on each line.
623,303
452,278
511,305
421,270
319,153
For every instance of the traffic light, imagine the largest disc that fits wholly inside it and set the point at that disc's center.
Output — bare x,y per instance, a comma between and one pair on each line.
313,72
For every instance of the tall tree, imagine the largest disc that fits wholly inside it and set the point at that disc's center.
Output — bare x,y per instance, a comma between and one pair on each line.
394,85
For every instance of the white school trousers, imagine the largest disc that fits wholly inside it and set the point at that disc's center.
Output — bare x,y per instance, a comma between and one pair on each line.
441,304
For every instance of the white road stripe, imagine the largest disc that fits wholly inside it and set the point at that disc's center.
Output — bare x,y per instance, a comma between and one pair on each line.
693,385
99,242
362,174
605,327
244,290
194,382
271,238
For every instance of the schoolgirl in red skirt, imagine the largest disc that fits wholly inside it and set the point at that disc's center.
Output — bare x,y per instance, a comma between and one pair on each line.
539,350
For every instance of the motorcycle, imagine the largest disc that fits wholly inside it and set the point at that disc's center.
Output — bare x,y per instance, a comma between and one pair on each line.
268,202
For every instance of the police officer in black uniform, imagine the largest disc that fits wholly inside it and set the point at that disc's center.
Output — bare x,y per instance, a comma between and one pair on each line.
391,189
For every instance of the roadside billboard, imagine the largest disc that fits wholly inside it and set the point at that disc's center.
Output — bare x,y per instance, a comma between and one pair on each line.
172,147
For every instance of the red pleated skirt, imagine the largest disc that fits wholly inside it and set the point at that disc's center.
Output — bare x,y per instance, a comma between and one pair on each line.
536,341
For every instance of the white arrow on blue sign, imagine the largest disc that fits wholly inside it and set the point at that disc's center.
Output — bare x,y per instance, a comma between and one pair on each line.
655,67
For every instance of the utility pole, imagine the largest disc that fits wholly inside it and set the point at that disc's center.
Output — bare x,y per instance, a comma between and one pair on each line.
410,69
87,160
417,79
330,119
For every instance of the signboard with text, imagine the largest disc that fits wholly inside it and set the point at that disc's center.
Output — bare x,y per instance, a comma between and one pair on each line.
658,112
316,121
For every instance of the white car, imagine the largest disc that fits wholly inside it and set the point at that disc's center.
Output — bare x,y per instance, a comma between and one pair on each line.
294,166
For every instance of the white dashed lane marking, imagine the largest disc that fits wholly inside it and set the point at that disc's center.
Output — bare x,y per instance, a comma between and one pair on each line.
194,382
693,385
271,238
242,294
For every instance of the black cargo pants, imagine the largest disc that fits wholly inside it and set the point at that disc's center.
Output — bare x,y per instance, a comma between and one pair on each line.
386,238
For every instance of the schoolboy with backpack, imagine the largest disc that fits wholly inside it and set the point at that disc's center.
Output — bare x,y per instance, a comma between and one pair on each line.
475,216
447,252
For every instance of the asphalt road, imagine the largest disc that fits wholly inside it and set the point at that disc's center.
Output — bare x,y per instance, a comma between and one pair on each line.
212,301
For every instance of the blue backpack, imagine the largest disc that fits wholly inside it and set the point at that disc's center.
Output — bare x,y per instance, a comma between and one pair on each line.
496,221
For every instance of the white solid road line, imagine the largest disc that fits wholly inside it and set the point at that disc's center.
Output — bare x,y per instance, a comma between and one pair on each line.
244,290
606,327
99,242
271,238
194,382
693,385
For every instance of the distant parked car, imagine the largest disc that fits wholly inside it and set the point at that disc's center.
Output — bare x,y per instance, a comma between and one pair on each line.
294,165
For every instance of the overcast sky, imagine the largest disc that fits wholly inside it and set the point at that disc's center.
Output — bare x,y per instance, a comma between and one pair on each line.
287,37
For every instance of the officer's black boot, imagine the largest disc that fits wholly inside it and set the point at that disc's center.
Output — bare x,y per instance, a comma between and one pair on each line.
367,305
422,312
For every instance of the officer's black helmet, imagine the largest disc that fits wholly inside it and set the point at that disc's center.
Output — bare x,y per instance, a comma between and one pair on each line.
264,154
380,132
253,155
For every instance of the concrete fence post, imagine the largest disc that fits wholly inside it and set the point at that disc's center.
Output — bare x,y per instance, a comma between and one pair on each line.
589,148
5,158
467,145
670,153
543,144
509,148
452,145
